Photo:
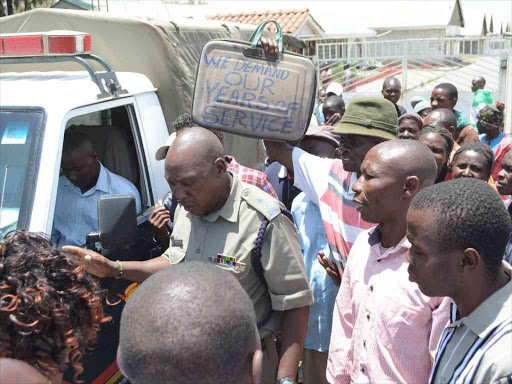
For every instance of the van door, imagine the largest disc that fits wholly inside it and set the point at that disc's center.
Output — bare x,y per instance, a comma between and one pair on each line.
114,130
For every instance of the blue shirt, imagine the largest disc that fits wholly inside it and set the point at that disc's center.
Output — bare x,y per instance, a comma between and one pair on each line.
492,143
312,239
76,213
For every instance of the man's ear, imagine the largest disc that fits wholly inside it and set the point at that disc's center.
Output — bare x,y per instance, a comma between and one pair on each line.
257,366
221,165
470,260
382,92
411,187
452,129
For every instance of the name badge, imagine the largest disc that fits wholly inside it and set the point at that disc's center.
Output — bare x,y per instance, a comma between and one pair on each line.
227,260
177,243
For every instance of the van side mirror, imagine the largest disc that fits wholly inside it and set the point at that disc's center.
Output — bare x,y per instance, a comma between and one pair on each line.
117,222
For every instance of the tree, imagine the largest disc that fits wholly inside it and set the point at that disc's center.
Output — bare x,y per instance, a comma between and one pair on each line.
15,6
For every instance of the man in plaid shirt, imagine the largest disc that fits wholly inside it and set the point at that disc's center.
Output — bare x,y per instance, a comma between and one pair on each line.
162,216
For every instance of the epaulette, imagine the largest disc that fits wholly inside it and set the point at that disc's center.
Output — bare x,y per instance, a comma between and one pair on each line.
262,202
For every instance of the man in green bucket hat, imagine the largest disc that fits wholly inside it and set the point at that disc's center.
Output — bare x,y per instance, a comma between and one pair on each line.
367,122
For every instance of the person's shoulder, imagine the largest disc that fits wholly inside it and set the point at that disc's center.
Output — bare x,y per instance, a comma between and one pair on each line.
119,182
496,364
261,201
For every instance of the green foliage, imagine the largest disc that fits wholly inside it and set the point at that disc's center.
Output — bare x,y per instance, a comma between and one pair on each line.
17,6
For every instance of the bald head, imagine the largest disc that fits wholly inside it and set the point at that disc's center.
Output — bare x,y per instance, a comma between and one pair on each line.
179,327
18,372
391,174
333,105
196,171
477,83
442,117
198,145
392,89
408,158
391,81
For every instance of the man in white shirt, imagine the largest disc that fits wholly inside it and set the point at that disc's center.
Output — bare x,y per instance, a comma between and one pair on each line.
83,182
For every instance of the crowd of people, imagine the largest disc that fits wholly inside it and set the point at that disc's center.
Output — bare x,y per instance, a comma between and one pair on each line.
375,250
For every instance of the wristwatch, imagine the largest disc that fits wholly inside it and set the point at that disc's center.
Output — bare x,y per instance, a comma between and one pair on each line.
286,380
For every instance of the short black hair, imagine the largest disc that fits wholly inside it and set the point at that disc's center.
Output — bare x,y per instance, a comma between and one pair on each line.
74,140
469,214
453,93
480,148
443,132
191,323
185,121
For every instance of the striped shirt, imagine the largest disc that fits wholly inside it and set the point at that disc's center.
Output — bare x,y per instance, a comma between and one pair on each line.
329,186
384,329
478,347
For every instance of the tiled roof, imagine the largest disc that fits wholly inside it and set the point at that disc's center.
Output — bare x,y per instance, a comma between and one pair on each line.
289,20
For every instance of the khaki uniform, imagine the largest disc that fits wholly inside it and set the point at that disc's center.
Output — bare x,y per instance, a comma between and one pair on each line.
231,231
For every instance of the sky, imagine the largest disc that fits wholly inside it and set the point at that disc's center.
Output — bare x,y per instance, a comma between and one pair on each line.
333,15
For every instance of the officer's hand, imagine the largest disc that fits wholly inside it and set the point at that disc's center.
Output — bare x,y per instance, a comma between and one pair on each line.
269,45
93,262
160,217
329,266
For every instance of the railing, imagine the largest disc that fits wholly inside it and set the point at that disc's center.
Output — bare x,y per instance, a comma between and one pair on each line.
444,47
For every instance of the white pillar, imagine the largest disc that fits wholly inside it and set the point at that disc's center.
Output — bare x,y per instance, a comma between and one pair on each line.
508,98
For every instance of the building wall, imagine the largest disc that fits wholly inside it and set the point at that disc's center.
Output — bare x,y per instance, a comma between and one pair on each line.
415,42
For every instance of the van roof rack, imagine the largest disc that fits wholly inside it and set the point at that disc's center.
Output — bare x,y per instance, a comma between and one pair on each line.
56,47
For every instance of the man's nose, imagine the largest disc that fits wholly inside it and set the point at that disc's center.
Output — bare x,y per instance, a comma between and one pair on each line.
179,193
433,103
357,187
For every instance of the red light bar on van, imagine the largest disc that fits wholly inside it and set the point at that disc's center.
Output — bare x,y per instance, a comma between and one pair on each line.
45,43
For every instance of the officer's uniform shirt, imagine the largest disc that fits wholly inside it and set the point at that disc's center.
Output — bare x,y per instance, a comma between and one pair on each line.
231,231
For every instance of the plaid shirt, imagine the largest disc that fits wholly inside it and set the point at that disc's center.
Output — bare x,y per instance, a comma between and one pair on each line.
250,176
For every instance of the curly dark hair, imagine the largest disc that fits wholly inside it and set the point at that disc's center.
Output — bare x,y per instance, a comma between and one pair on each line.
50,308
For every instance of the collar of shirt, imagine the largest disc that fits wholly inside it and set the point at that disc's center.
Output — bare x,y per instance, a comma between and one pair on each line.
493,311
101,185
374,240
283,172
492,142
229,210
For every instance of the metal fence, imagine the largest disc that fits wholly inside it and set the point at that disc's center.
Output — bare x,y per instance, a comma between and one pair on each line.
420,64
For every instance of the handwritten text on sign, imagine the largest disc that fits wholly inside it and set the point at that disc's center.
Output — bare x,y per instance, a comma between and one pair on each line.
250,95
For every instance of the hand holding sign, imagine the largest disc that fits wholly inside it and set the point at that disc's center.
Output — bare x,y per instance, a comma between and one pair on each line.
254,89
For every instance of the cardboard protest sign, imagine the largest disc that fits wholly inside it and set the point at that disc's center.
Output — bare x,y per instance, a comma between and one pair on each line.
241,89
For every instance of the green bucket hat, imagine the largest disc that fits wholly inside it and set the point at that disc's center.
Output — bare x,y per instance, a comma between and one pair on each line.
369,116
490,114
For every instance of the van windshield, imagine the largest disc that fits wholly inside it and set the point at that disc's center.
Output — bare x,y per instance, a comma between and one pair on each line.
20,130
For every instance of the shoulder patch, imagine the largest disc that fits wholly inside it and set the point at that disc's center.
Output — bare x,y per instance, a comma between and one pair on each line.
262,202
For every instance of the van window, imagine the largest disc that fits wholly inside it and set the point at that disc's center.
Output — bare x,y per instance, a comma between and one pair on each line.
116,139
20,132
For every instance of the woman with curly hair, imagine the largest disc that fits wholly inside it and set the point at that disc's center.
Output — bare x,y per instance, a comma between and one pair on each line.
50,308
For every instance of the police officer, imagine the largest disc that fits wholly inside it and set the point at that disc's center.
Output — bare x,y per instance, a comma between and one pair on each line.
239,228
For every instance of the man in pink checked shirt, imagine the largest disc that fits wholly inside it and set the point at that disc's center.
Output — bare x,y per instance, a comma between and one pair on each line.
384,329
